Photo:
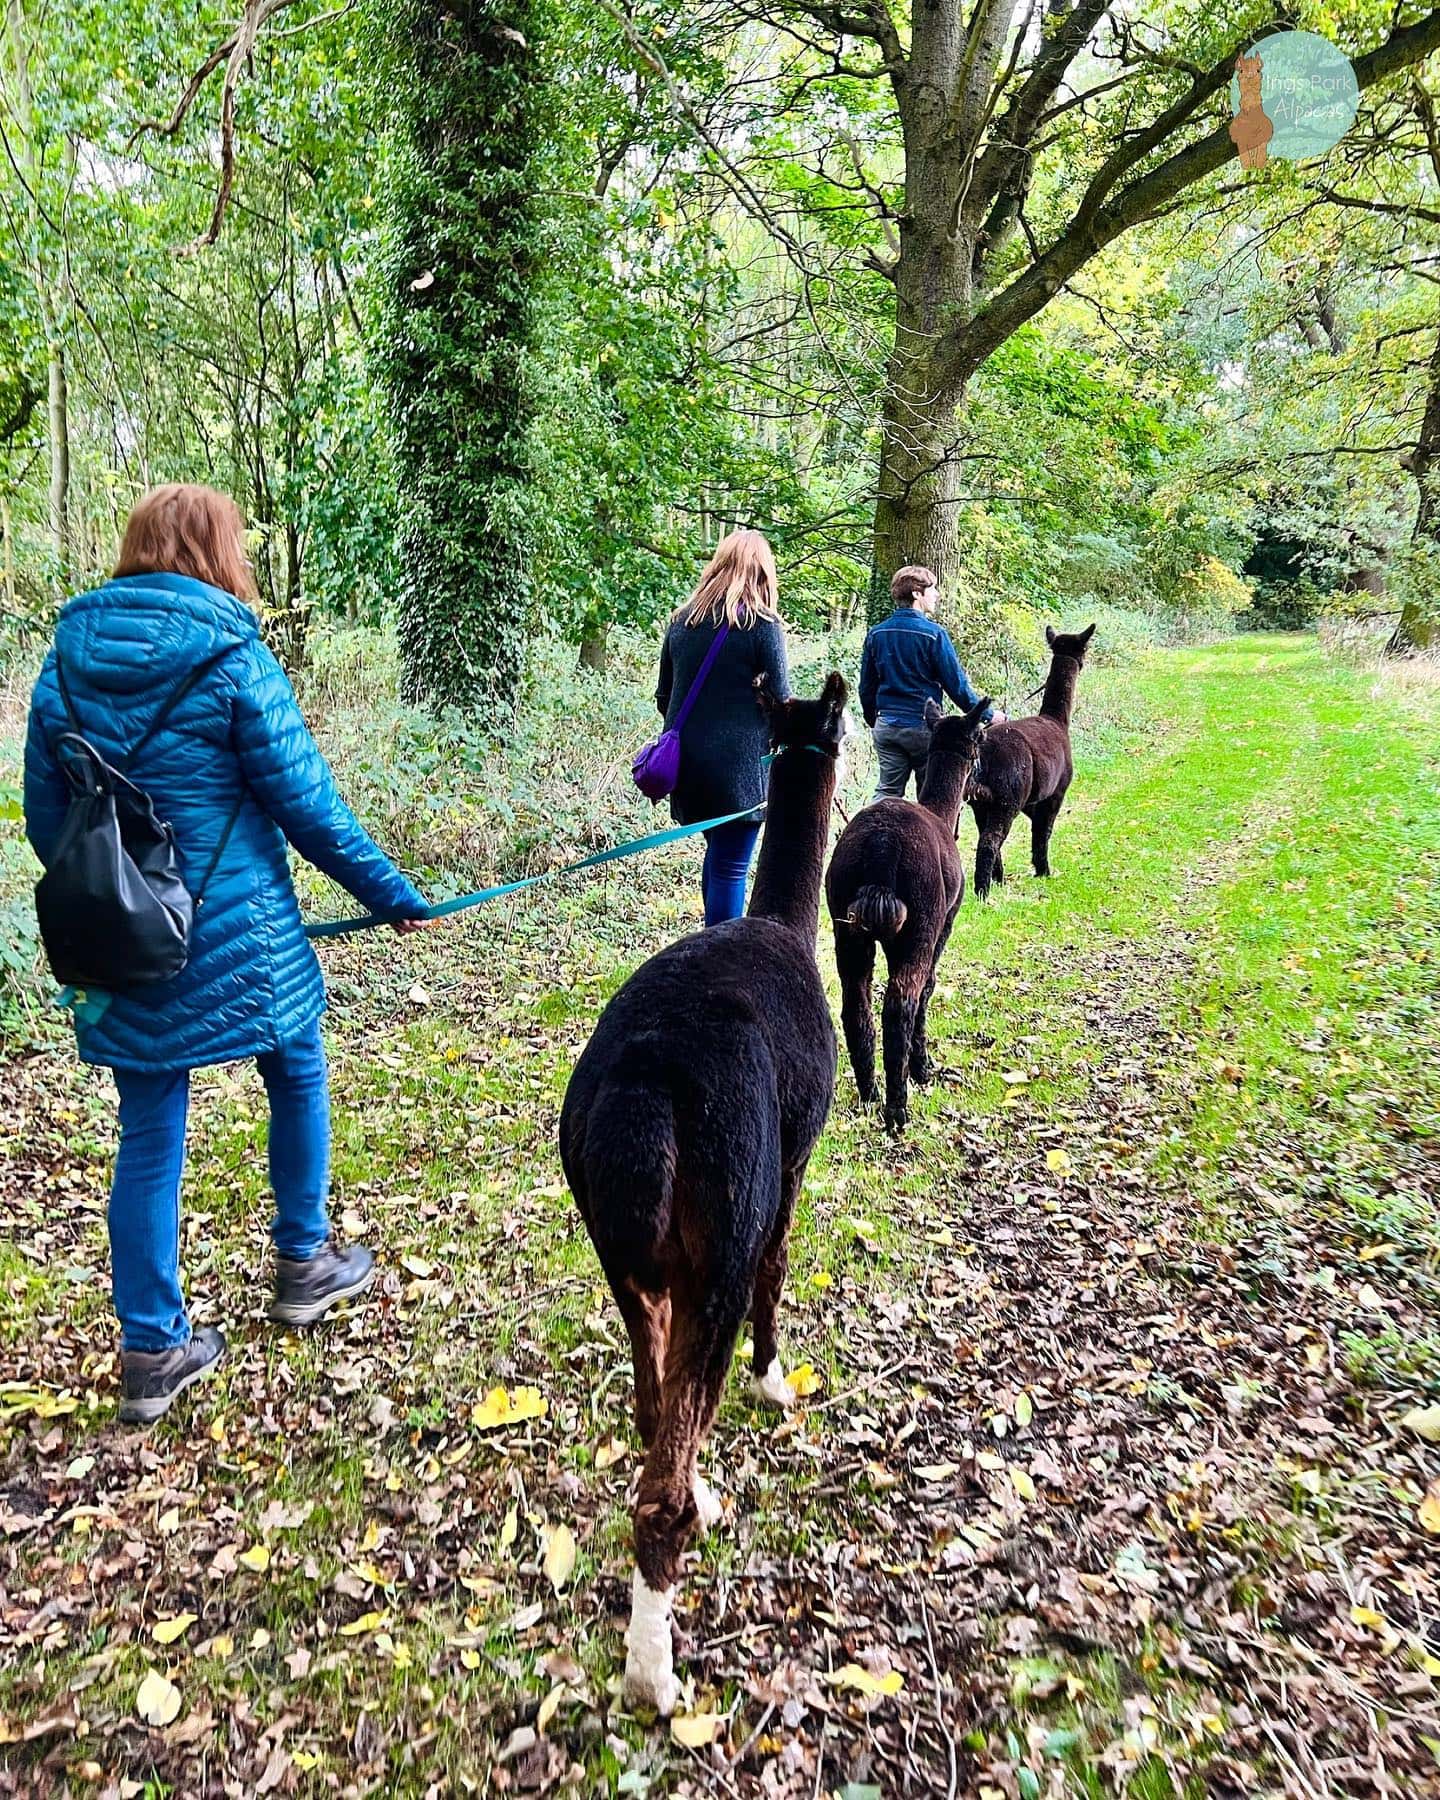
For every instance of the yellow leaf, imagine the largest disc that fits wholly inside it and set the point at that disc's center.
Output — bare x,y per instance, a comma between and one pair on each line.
157,1700
804,1380
695,1730
1058,1162
367,1571
1424,1421
470,1659
863,1682
304,1759
560,1557
1022,1484
165,1631
371,1540
257,1557
1367,1615
1024,1409
510,1528
549,1706
500,1408
609,1453
222,1646
370,1621
1429,1513
820,1281
936,1471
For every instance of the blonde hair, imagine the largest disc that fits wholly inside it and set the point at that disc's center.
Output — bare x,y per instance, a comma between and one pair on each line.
739,584
182,529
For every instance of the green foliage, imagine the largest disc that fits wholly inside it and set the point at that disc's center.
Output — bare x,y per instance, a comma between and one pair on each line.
454,329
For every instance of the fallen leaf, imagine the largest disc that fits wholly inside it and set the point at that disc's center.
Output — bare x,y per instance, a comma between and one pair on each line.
1367,1615
805,1381
418,1267
1015,1078
370,1621
549,1706
609,1453
1058,1162
1424,1421
1022,1484
500,1407
695,1730
165,1631
559,1556
157,1700
1429,1513
257,1557
863,1682
1024,1409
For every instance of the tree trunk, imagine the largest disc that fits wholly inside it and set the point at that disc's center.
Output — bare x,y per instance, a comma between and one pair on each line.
59,432
456,325
1419,627
595,646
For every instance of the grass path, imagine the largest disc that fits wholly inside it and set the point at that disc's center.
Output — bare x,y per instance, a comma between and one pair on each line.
1106,1457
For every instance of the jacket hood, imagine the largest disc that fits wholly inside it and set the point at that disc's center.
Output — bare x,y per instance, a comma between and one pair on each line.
138,632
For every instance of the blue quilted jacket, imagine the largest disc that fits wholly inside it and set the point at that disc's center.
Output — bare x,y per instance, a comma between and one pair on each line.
237,739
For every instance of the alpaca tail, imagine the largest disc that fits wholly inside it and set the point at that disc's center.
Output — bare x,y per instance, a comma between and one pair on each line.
619,1152
878,911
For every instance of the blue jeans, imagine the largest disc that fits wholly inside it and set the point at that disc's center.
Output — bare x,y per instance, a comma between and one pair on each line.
728,849
145,1194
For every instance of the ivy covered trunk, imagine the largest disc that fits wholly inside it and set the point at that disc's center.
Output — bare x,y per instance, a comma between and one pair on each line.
455,323
1419,624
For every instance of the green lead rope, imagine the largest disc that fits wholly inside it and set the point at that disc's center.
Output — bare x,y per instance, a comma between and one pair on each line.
343,927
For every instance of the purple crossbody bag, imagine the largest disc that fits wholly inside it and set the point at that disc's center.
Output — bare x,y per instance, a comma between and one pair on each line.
656,770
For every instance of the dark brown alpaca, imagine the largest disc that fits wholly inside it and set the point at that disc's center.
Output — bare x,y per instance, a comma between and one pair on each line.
896,879
1026,766
685,1133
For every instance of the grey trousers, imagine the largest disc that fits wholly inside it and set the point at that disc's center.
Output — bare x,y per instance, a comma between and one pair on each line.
901,750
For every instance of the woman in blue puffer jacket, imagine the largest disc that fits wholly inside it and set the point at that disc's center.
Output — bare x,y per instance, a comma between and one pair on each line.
233,768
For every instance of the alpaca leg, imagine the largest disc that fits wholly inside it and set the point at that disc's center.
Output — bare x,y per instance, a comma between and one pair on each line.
1042,823
647,1319
987,854
768,1383
919,1050
902,999
703,1330
997,869
855,960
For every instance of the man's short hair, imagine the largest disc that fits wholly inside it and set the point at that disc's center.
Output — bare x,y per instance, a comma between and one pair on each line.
906,583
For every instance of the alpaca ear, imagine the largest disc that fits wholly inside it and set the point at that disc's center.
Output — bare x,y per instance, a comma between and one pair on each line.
1049,634
764,699
933,714
1087,634
834,694
973,716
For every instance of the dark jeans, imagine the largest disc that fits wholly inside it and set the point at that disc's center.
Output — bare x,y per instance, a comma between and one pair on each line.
901,750
145,1194
728,849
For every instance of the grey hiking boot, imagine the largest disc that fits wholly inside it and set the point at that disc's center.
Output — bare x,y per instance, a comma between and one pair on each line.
151,1379
305,1291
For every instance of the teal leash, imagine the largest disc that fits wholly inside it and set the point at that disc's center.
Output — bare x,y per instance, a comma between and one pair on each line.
343,927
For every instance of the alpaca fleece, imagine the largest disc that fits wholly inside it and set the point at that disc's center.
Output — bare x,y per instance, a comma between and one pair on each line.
895,878
1026,766
684,1135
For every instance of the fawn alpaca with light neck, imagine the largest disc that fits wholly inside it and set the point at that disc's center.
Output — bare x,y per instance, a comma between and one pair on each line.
685,1133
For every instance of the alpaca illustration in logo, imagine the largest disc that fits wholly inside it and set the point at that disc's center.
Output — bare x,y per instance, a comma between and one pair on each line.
1250,129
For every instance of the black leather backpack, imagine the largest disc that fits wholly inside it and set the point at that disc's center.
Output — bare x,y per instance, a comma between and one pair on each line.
113,906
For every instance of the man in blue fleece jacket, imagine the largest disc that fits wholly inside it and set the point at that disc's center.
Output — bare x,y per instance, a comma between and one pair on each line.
909,660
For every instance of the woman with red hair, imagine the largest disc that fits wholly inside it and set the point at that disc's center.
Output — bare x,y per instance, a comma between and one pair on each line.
165,662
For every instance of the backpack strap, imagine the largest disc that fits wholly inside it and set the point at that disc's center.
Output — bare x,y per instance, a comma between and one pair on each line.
162,712
219,850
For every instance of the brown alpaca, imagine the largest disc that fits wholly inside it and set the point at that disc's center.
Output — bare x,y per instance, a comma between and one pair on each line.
1026,766
1251,130
896,879
685,1133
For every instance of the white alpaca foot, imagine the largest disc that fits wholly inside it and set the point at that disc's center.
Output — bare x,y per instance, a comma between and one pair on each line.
773,1388
707,1503
650,1657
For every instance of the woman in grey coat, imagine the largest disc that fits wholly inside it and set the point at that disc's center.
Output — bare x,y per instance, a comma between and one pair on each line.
724,739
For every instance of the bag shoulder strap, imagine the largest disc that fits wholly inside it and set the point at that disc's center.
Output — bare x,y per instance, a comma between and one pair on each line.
700,676
166,707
